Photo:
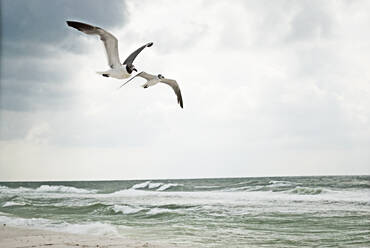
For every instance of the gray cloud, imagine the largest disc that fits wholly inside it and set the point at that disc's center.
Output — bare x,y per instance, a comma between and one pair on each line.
311,20
34,39
41,21
35,31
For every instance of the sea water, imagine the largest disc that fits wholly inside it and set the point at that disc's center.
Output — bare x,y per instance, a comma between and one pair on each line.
331,211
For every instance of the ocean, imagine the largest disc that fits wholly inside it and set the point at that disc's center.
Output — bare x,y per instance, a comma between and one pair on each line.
320,211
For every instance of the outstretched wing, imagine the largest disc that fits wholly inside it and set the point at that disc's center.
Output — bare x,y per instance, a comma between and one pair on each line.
142,74
110,42
130,59
175,88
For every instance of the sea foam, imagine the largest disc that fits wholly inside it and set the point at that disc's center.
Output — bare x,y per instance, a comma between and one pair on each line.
158,186
46,188
168,185
126,209
12,203
63,189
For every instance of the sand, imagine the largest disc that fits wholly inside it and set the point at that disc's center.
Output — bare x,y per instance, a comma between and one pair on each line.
17,237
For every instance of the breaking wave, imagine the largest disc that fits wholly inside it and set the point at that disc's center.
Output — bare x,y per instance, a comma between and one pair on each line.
64,189
45,189
126,209
158,186
306,191
12,203
168,186
141,185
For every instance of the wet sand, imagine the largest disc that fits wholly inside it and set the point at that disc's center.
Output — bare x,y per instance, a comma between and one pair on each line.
16,237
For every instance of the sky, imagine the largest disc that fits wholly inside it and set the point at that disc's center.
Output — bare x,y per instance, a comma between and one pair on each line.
270,88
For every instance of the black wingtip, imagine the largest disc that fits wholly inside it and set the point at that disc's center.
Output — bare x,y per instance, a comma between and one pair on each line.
72,23
79,25
149,44
75,25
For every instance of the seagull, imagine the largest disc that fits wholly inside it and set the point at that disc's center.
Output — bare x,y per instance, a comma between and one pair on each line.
153,80
117,70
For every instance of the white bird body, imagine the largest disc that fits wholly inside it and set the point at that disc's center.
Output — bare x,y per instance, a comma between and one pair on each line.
118,70
154,79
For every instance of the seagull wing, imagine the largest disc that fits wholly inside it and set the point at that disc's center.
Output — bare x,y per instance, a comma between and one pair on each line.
145,75
142,74
175,88
110,42
130,59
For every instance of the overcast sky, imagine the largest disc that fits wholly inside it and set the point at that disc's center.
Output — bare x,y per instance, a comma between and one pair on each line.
270,88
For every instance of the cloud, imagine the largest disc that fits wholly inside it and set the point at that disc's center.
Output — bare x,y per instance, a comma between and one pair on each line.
37,50
35,46
43,22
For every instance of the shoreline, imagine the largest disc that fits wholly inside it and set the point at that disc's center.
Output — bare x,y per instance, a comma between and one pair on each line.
27,237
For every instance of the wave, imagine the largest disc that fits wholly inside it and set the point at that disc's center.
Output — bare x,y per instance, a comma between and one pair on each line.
306,191
279,187
63,189
141,185
154,185
5,190
280,183
159,211
168,186
46,189
158,186
126,209
12,203
91,228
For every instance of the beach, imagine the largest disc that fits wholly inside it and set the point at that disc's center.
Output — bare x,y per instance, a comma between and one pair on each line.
17,237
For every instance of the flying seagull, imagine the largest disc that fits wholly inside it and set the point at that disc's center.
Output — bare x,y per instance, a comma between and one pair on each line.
153,80
117,70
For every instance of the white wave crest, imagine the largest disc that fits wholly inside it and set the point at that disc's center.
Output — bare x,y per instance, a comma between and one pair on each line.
155,211
7,190
154,185
280,183
64,189
45,188
12,203
159,186
126,209
167,186
141,185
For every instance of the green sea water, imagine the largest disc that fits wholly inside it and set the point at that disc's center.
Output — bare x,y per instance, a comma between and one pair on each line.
233,212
